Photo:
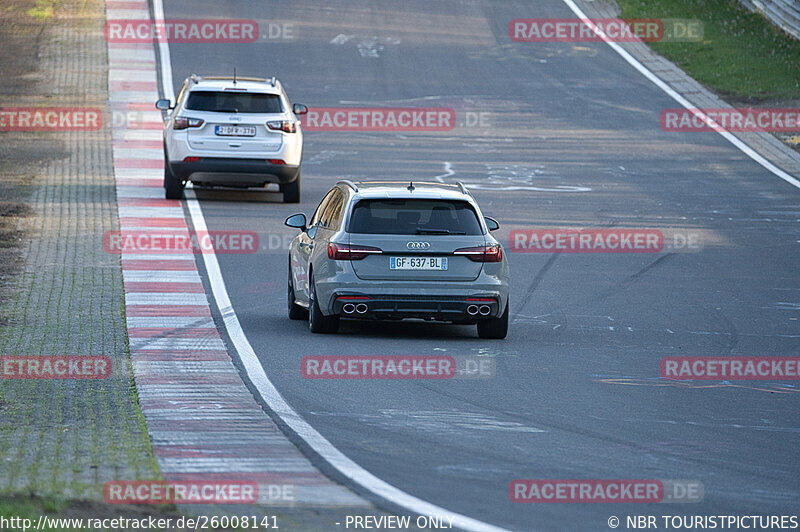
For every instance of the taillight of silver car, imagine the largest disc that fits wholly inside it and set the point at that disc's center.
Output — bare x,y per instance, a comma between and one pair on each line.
347,252
491,253
282,125
183,122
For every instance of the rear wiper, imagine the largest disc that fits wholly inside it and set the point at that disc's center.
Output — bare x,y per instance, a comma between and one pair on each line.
439,232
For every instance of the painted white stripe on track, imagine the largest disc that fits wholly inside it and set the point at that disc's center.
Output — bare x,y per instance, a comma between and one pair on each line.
133,75
159,256
160,276
149,298
141,134
194,322
149,212
171,344
140,153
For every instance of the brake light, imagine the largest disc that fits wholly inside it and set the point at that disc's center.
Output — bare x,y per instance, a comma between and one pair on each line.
347,252
276,161
191,159
481,299
352,298
282,125
492,253
182,122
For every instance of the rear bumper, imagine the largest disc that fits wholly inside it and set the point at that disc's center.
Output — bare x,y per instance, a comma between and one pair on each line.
438,308
396,299
230,171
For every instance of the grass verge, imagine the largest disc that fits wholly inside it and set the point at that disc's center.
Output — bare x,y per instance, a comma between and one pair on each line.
742,56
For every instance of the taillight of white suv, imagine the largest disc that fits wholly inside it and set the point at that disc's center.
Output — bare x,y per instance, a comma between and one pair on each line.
282,125
183,122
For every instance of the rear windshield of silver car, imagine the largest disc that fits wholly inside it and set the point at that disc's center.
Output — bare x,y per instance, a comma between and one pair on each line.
234,102
414,217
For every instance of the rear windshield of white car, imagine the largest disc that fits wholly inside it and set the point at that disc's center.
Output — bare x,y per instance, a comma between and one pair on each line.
414,217
234,102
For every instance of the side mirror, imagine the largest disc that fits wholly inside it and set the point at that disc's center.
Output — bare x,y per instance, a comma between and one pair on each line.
164,105
296,220
299,109
491,224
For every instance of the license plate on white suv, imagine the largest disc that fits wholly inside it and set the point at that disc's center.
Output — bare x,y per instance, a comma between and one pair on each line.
418,263
236,131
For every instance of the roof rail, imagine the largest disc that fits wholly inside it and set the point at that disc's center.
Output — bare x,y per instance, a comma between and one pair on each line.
195,78
272,81
238,78
348,183
463,187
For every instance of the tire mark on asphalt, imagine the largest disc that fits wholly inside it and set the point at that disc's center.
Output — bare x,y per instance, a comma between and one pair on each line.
536,280
630,280
619,287
544,269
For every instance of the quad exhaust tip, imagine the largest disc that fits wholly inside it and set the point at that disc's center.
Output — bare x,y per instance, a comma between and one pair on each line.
361,308
485,310
472,310
348,308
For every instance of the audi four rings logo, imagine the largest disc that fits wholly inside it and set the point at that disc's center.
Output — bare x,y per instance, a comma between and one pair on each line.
418,245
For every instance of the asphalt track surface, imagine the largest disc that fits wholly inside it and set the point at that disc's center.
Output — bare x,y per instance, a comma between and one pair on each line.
570,138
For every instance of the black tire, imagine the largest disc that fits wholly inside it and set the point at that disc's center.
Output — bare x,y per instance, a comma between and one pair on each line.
291,191
173,188
494,328
296,312
317,321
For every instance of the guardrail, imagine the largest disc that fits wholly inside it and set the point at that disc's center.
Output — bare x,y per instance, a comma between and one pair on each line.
783,13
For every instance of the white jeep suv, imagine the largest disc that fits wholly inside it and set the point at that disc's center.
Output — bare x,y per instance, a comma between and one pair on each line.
234,132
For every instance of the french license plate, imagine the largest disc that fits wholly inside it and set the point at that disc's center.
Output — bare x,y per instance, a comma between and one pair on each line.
418,263
235,131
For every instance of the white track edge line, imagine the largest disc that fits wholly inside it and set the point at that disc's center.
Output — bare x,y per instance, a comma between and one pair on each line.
267,390
635,63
